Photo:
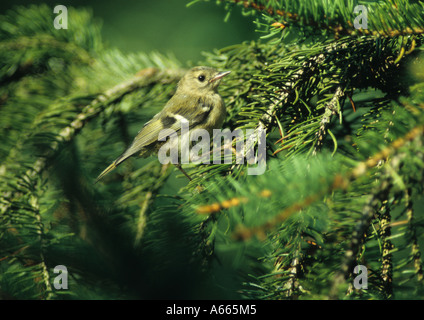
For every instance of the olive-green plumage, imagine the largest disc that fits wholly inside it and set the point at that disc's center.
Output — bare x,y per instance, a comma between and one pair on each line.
196,101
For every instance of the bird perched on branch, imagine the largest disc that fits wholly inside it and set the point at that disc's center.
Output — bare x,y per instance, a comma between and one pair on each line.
196,102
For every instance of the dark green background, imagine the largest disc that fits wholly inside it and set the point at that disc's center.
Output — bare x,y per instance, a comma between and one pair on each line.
166,26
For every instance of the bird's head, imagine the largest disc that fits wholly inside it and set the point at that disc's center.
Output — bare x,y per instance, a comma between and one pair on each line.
201,80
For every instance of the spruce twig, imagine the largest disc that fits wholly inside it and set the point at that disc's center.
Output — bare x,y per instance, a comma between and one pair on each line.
356,241
34,202
387,247
337,28
330,109
415,249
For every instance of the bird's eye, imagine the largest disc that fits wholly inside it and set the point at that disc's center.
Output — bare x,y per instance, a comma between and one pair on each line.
201,78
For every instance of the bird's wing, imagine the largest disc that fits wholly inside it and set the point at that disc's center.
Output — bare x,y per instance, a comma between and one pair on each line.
167,122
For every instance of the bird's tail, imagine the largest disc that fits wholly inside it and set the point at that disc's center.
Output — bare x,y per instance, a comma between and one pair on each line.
106,171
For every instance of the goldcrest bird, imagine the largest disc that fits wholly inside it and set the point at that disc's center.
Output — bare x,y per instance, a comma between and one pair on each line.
196,100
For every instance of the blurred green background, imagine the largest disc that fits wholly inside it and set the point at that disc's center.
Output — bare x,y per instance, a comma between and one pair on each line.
166,26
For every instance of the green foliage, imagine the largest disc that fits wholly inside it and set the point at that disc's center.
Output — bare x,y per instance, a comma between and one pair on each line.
343,112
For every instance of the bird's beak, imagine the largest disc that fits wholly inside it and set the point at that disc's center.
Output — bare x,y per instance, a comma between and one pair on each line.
219,75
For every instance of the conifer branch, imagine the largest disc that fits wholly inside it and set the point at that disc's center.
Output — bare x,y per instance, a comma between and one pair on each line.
44,271
268,9
415,249
308,69
330,109
143,78
340,181
43,41
148,198
387,247
142,218
332,24
356,241
291,287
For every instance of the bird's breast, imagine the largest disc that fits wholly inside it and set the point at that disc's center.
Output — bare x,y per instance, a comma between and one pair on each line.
216,114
